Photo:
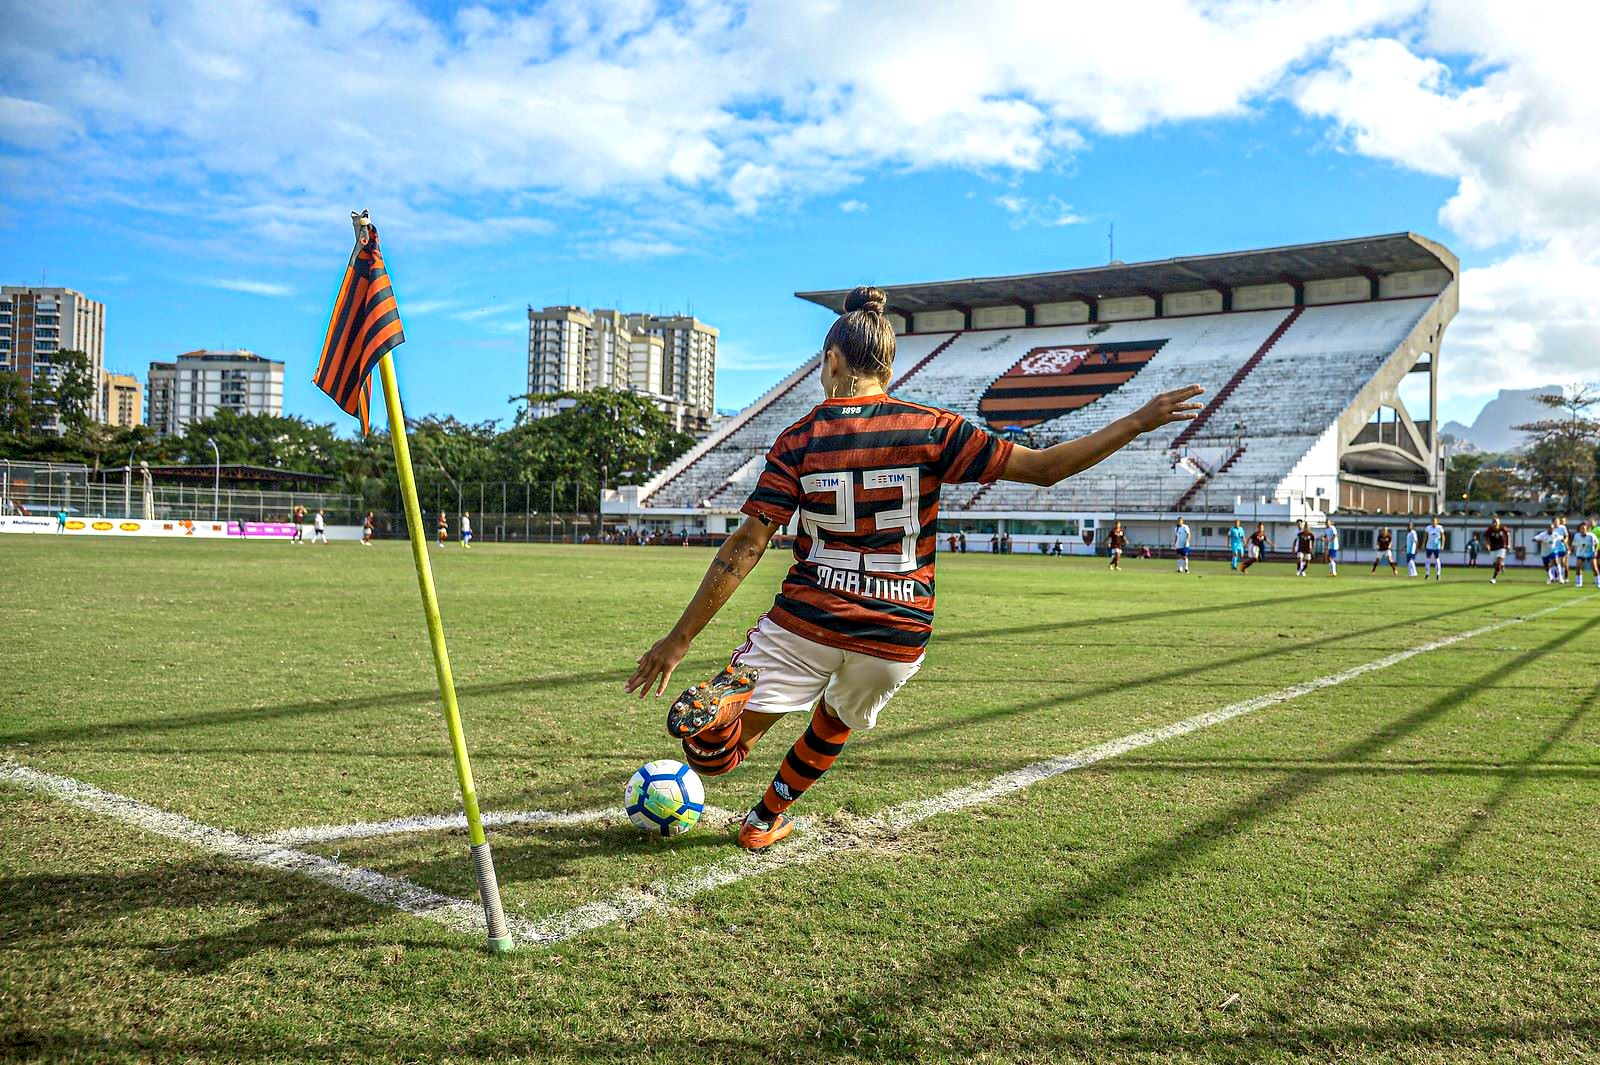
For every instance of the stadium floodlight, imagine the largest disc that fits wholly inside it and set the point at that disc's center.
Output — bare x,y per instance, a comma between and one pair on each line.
216,476
362,333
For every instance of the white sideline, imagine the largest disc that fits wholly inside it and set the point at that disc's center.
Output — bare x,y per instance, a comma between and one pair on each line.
816,841
399,894
630,904
299,837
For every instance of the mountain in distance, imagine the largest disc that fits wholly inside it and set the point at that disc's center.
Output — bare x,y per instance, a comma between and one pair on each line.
1491,430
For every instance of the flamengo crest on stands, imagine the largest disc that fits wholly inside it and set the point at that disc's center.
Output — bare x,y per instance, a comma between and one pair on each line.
1049,382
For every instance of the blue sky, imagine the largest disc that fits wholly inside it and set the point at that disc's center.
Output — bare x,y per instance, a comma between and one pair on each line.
195,171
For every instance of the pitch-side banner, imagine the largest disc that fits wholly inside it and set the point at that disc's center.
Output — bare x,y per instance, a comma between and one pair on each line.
76,526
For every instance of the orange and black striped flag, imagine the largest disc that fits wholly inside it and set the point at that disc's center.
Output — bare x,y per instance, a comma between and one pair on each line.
365,326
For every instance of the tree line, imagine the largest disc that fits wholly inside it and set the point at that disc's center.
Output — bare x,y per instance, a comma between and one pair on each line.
605,434
1559,465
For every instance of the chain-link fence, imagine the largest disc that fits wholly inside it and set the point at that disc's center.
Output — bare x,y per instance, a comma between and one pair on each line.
46,488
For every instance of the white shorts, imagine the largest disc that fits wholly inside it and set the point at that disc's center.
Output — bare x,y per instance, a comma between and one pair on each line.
1499,553
796,672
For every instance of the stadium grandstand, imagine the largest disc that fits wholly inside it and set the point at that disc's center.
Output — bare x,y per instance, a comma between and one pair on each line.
1304,353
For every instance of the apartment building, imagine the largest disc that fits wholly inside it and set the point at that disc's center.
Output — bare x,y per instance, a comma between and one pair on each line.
198,384
37,322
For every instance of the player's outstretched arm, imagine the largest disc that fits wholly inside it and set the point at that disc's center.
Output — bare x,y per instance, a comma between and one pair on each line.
1062,460
735,559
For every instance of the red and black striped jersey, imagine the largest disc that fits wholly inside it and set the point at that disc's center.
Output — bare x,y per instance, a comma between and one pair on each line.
864,474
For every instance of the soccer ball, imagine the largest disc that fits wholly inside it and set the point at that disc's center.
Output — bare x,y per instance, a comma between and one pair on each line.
664,797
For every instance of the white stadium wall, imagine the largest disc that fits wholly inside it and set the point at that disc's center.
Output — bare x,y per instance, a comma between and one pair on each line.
1179,304
1073,312
1413,283
1127,307
998,317
1261,297
1337,290
940,322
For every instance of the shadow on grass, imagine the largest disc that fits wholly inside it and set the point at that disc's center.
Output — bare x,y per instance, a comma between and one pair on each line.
428,696
880,1022
1185,672
497,1042
248,909
528,854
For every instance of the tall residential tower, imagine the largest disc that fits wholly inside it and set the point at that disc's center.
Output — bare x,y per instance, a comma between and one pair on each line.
671,359
198,384
35,323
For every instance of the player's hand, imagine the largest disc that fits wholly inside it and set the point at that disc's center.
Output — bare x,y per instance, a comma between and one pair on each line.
1168,407
657,665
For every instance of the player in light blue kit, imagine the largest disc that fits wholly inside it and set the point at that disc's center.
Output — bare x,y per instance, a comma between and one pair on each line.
1411,549
1180,544
1235,545
1585,546
1434,547
1330,543
1558,549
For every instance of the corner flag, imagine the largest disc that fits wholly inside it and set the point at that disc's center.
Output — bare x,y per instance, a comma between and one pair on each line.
364,329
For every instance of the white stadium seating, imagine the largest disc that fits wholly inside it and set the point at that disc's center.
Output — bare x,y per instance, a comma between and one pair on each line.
1263,424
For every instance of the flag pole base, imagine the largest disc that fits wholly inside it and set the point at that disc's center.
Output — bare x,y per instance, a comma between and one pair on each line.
501,945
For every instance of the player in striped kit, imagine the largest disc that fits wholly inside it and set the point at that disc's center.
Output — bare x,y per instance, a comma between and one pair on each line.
862,473
1497,539
1305,542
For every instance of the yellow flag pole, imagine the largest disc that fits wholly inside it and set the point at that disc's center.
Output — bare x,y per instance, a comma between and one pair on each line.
482,860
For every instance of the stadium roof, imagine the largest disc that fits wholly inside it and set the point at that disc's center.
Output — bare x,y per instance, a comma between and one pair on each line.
1360,256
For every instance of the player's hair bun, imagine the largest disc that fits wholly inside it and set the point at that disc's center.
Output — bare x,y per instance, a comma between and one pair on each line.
865,298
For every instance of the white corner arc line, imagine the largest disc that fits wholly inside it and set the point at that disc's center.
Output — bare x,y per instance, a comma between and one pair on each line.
300,837
396,893
630,904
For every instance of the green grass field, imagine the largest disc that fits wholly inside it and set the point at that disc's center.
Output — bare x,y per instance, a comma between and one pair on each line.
1400,866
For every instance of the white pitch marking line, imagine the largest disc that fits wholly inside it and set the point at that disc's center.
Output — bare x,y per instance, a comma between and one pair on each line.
446,822
631,903
399,894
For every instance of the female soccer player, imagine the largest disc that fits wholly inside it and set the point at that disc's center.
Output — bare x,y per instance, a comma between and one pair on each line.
1117,542
1258,548
1305,542
1385,552
1180,544
862,472
1497,538
1235,546
1584,546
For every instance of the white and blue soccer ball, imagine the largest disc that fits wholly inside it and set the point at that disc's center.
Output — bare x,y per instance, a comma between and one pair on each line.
664,797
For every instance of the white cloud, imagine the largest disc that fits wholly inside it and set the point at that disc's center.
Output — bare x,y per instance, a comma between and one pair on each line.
853,206
1518,131
1051,211
31,124
254,288
738,105
675,118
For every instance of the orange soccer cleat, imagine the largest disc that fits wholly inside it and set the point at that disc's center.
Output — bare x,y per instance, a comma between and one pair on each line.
711,703
756,836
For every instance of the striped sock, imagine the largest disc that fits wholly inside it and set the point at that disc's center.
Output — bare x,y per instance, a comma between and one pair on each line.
716,751
812,755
